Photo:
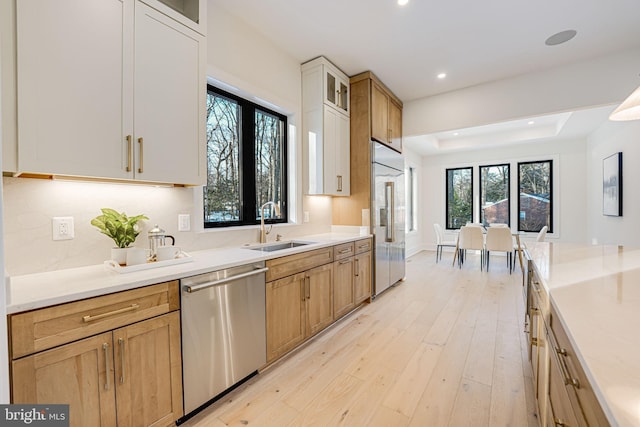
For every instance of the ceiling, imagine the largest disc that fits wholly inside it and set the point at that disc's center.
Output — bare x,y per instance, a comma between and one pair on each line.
472,42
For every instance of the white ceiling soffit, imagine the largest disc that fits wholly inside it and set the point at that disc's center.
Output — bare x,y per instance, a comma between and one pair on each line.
474,42
567,125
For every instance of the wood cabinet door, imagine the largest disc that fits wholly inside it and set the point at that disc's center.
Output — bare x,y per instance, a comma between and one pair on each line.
395,126
319,299
343,277
560,402
79,374
379,114
148,372
285,300
362,279
72,72
170,95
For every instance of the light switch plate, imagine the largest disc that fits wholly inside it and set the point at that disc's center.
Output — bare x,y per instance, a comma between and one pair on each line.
62,228
184,222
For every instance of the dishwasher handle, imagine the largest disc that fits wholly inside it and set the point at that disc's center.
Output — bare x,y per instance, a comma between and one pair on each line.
195,288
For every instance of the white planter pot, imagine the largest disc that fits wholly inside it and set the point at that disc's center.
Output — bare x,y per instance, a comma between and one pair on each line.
119,255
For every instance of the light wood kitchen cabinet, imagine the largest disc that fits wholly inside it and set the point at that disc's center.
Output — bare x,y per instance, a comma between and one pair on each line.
563,392
374,109
130,374
344,274
97,98
386,117
298,307
362,280
325,128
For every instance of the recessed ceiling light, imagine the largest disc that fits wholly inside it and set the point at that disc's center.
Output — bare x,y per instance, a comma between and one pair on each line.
403,2
531,122
442,75
456,134
561,37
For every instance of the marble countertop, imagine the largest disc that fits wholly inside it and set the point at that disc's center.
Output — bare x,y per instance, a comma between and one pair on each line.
596,291
39,290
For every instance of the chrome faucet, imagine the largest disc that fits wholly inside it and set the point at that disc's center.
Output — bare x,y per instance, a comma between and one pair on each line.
263,232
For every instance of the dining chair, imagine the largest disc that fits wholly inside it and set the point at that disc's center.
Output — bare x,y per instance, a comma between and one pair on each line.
470,238
499,240
542,234
498,224
440,242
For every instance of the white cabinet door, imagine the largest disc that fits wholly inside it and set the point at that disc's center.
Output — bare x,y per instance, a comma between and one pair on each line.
336,153
71,71
169,100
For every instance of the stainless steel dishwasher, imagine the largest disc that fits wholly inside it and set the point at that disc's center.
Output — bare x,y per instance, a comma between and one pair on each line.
223,331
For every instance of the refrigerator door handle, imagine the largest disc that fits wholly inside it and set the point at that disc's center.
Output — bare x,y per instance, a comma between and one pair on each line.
389,208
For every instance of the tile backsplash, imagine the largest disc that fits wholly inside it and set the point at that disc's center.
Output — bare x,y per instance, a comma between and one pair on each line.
30,205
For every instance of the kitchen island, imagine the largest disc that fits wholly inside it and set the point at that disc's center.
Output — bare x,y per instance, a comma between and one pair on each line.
595,291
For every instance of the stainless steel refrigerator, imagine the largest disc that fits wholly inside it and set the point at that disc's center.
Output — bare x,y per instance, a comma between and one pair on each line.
388,216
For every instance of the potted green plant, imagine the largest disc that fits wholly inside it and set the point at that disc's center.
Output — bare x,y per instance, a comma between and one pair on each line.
121,228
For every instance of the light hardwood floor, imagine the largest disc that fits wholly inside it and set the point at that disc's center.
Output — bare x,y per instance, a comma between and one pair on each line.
444,348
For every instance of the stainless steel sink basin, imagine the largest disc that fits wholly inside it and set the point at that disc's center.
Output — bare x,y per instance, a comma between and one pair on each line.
271,247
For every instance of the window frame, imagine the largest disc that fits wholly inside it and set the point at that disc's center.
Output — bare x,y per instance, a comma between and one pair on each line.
551,202
508,165
247,164
470,168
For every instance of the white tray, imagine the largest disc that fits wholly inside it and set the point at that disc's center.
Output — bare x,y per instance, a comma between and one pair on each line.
180,259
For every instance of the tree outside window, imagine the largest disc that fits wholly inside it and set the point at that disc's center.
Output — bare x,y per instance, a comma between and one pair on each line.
246,162
495,202
459,197
535,201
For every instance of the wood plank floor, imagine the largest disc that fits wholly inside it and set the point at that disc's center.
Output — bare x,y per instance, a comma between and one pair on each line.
444,348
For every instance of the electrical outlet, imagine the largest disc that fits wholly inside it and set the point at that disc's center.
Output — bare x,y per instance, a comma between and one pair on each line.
62,228
306,216
184,222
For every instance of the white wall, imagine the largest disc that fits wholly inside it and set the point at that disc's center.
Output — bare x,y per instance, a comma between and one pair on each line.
611,138
569,162
413,239
237,56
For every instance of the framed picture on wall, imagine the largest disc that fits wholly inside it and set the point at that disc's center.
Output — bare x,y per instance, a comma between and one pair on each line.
612,185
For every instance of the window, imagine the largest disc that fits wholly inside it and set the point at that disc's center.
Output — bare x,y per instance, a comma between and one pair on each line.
459,197
412,188
246,162
535,201
495,202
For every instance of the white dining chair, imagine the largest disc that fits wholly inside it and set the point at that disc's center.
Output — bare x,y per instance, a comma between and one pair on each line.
498,224
499,240
470,238
542,234
441,242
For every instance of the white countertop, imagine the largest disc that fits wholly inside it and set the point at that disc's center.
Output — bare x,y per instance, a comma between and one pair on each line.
39,290
596,291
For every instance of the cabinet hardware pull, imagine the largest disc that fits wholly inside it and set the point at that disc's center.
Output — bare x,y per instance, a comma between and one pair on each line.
121,343
308,282
89,318
338,100
141,142
207,285
129,153
344,261
357,267
365,246
344,251
339,182
568,379
105,347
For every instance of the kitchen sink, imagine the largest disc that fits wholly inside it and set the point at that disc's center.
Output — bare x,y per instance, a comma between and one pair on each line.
271,247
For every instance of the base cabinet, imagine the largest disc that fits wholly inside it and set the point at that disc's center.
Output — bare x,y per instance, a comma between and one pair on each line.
130,375
298,306
362,280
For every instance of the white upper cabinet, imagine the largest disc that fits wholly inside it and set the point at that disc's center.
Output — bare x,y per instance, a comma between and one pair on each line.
109,89
325,127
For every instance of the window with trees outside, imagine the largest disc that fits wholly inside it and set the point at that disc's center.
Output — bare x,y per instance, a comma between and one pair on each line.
535,201
246,162
459,197
495,203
